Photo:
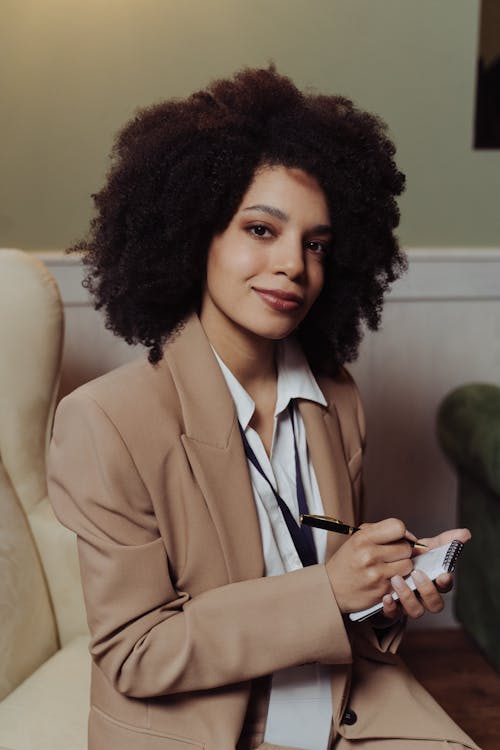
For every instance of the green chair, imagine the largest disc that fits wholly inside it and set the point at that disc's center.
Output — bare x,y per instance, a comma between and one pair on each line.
469,432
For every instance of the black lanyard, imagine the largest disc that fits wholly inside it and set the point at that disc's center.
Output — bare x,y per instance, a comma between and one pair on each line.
301,535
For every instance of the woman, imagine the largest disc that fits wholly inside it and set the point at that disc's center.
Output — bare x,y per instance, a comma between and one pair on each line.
243,236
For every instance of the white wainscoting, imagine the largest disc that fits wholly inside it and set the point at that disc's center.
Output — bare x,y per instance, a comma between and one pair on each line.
441,328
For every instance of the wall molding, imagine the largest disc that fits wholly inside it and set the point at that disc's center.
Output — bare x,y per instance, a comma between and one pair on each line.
449,274
433,274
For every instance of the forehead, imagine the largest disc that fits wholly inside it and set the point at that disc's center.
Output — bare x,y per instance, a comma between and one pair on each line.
287,189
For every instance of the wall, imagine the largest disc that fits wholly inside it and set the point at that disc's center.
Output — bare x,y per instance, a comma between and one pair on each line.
71,73
441,328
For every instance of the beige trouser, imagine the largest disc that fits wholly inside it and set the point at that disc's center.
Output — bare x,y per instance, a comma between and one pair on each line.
395,744
385,744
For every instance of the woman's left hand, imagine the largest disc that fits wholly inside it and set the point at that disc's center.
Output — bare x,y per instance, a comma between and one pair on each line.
429,593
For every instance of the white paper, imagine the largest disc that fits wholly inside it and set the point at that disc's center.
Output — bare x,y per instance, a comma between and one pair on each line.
300,708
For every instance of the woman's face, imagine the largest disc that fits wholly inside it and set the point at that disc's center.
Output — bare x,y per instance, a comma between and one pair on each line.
266,269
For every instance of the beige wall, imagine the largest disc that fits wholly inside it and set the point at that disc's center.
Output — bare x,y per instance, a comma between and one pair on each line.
72,71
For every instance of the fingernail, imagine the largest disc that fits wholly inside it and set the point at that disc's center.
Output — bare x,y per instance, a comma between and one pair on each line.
444,579
397,583
418,577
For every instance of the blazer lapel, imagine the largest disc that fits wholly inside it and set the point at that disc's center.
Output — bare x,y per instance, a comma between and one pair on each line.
325,446
222,475
214,449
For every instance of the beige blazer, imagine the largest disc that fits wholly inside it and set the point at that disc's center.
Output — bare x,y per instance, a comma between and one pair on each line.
147,467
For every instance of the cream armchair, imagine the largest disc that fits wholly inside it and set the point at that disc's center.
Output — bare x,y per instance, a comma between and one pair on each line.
44,661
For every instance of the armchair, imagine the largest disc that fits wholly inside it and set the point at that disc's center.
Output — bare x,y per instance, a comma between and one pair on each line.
469,433
45,665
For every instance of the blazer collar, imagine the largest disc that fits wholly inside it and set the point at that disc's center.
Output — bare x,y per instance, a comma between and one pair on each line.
207,408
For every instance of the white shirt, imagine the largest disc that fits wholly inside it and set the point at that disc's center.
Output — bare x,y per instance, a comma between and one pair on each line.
299,687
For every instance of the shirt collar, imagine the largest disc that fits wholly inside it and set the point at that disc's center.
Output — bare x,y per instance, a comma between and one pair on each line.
244,403
295,380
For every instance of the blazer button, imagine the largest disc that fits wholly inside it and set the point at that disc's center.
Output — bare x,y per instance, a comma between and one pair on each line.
349,717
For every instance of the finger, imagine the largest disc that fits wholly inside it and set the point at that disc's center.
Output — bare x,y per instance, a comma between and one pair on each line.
408,600
401,568
461,535
391,608
384,532
392,552
429,595
410,536
444,583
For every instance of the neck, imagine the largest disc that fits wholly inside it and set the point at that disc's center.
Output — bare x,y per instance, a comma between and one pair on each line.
250,358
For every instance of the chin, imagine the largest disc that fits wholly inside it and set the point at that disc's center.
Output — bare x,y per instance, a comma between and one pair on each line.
273,332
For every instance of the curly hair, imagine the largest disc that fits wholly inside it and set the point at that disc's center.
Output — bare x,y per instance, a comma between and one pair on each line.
179,171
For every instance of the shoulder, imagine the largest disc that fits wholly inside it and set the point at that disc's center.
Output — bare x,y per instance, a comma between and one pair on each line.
127,398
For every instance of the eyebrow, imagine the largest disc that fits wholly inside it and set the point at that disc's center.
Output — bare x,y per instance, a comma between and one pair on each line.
271,210
277,213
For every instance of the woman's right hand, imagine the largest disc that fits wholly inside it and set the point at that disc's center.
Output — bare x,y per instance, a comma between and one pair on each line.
360,571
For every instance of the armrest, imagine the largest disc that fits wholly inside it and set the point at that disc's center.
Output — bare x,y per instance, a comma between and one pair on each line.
468,425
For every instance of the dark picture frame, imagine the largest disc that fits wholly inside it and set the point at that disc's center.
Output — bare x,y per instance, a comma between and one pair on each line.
487,115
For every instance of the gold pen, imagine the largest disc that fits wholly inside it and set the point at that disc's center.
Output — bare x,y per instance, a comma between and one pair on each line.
333,524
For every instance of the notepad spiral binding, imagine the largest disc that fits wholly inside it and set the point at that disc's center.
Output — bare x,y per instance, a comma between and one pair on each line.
452,555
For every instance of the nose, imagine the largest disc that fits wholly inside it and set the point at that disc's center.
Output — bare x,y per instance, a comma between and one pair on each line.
288,258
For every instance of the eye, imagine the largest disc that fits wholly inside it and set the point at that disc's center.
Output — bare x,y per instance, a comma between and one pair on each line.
259,230
318,247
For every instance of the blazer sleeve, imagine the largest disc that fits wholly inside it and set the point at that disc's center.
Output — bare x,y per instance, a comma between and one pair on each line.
147,637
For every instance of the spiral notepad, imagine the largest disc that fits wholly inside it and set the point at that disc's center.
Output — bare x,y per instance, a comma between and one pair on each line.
434,562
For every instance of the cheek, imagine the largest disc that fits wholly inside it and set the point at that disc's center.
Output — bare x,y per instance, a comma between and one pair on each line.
231,263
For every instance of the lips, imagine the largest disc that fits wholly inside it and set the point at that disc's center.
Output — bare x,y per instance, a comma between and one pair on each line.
279,300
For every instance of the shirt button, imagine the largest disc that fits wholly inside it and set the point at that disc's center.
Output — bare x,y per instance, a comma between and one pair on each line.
349,717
